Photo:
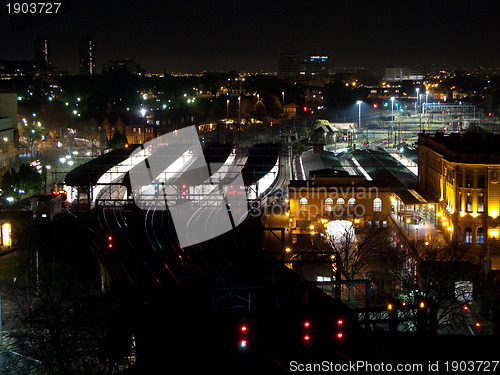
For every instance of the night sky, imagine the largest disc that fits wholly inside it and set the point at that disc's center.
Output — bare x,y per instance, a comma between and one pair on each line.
191,36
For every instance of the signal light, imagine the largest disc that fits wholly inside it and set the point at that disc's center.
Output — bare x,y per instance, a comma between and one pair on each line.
422,305
478,324
389,306
110,243
466,307
243,339
339,334
306,335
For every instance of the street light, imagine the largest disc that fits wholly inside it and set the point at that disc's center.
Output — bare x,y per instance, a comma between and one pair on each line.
359,115
426,98
416,103
392,108
239,111
283,94
227,109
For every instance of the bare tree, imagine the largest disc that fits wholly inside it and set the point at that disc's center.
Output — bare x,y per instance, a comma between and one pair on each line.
431,271
63,327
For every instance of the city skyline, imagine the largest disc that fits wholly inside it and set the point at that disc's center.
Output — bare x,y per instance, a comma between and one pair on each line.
192,37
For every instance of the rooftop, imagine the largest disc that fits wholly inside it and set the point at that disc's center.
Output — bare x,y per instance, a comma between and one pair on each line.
470,147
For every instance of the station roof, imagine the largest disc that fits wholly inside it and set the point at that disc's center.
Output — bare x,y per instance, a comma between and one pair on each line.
321,161
261,159
384,169
89,173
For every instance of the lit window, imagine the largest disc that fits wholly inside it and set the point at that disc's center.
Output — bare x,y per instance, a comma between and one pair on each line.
468,203
351,202
480,203
328,204
468,235
303,204
377,205
480,236
340,201
6,234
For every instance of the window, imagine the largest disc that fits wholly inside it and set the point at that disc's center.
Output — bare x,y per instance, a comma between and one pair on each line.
468,235
303,204
468,204
351,202
480,236
377,205
384,224
468,181
480,203
328,204
340,201
481,181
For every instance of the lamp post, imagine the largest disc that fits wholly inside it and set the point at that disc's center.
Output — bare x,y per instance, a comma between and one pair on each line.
283,95
392,114
359,115
420,114
416,102
227,109
239,111
392,108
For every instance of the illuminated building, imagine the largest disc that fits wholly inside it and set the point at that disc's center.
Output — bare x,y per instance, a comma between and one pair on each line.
398,73
42,52
87,56
462,171
339,198
316,63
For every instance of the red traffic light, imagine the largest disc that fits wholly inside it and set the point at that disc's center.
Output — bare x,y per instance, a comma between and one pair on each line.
243,343
243,328
306,337
340,322
478,324
340,335
110,238
306,324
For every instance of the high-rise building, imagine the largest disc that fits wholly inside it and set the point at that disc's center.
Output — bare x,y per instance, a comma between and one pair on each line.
316,63
288,63
87,56
42,52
